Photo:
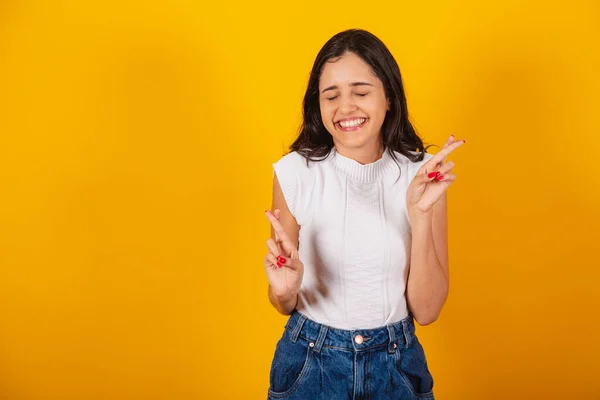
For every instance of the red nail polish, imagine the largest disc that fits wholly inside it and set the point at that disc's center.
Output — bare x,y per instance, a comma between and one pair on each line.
281,260
432,174
440,178
279,265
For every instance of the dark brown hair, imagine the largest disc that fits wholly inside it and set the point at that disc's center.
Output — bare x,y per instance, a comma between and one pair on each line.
315,142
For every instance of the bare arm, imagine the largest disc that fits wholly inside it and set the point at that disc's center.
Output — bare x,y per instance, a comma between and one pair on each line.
284,302
428,282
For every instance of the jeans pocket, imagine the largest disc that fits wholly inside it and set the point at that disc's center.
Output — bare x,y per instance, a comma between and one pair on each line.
291,364
411,364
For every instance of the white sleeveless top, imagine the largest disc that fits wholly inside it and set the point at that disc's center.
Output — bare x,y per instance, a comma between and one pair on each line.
354,236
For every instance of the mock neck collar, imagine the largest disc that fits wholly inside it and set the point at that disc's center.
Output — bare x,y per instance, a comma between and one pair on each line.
362,172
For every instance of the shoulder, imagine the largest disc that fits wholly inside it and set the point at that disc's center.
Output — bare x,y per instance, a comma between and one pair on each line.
292,160
296,164
293,169
295,177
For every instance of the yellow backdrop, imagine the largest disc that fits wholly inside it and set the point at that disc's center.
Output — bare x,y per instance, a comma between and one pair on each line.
136,142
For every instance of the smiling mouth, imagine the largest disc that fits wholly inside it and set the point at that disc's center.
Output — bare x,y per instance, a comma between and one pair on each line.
350,125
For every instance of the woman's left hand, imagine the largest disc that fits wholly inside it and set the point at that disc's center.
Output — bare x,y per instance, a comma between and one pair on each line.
432,180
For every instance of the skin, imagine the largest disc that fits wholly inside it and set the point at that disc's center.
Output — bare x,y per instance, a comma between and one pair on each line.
342,98
348,90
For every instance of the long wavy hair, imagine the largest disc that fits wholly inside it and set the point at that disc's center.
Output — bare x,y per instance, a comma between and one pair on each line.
314,141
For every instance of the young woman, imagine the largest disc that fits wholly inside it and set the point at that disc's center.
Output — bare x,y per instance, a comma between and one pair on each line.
359,244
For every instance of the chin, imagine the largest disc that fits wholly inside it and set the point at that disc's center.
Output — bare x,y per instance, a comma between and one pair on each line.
356,142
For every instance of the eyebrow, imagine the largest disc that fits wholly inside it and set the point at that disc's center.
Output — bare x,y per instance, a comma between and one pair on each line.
351,84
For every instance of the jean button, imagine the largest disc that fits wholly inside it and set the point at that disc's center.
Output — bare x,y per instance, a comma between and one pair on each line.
358,339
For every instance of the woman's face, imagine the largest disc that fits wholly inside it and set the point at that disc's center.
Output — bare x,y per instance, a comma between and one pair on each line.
353,103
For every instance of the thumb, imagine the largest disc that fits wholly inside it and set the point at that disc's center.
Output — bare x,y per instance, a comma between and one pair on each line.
293,263
425,178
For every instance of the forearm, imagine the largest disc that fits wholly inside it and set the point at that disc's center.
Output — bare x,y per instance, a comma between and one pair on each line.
427,287
284,304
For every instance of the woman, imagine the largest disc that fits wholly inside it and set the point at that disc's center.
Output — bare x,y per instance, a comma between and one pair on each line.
359,243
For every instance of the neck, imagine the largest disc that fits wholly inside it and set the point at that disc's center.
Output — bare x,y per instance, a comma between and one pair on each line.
362,155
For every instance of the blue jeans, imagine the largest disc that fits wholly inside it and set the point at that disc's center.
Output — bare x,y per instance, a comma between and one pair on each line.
313,362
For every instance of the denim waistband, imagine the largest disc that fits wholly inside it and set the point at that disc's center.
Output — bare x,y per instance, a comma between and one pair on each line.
320,335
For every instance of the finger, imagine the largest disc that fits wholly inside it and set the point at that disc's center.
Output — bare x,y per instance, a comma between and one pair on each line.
277,214
441,156
435,175
446,167
448,143
292,264
446,178
271,261
278,228
273,248
429,176
442,169
280,262
430,167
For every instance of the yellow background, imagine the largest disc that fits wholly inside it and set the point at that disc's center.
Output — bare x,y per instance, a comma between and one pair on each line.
136,142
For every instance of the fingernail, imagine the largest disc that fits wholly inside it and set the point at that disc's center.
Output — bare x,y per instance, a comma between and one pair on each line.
281,260
440,178
279,265
432,174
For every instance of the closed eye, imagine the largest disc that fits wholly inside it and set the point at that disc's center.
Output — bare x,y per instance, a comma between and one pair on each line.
358,94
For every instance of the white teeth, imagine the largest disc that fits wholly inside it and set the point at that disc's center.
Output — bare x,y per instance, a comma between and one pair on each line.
352,123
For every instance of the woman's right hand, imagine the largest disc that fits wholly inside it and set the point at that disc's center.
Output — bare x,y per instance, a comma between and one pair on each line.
284,268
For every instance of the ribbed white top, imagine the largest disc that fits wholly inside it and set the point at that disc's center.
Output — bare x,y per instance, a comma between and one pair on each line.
354,236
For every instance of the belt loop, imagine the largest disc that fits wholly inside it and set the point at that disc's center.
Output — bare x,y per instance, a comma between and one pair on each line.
320,338
298,327
406,331
392,335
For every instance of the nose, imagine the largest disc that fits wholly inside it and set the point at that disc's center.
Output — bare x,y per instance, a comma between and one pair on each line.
347,104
